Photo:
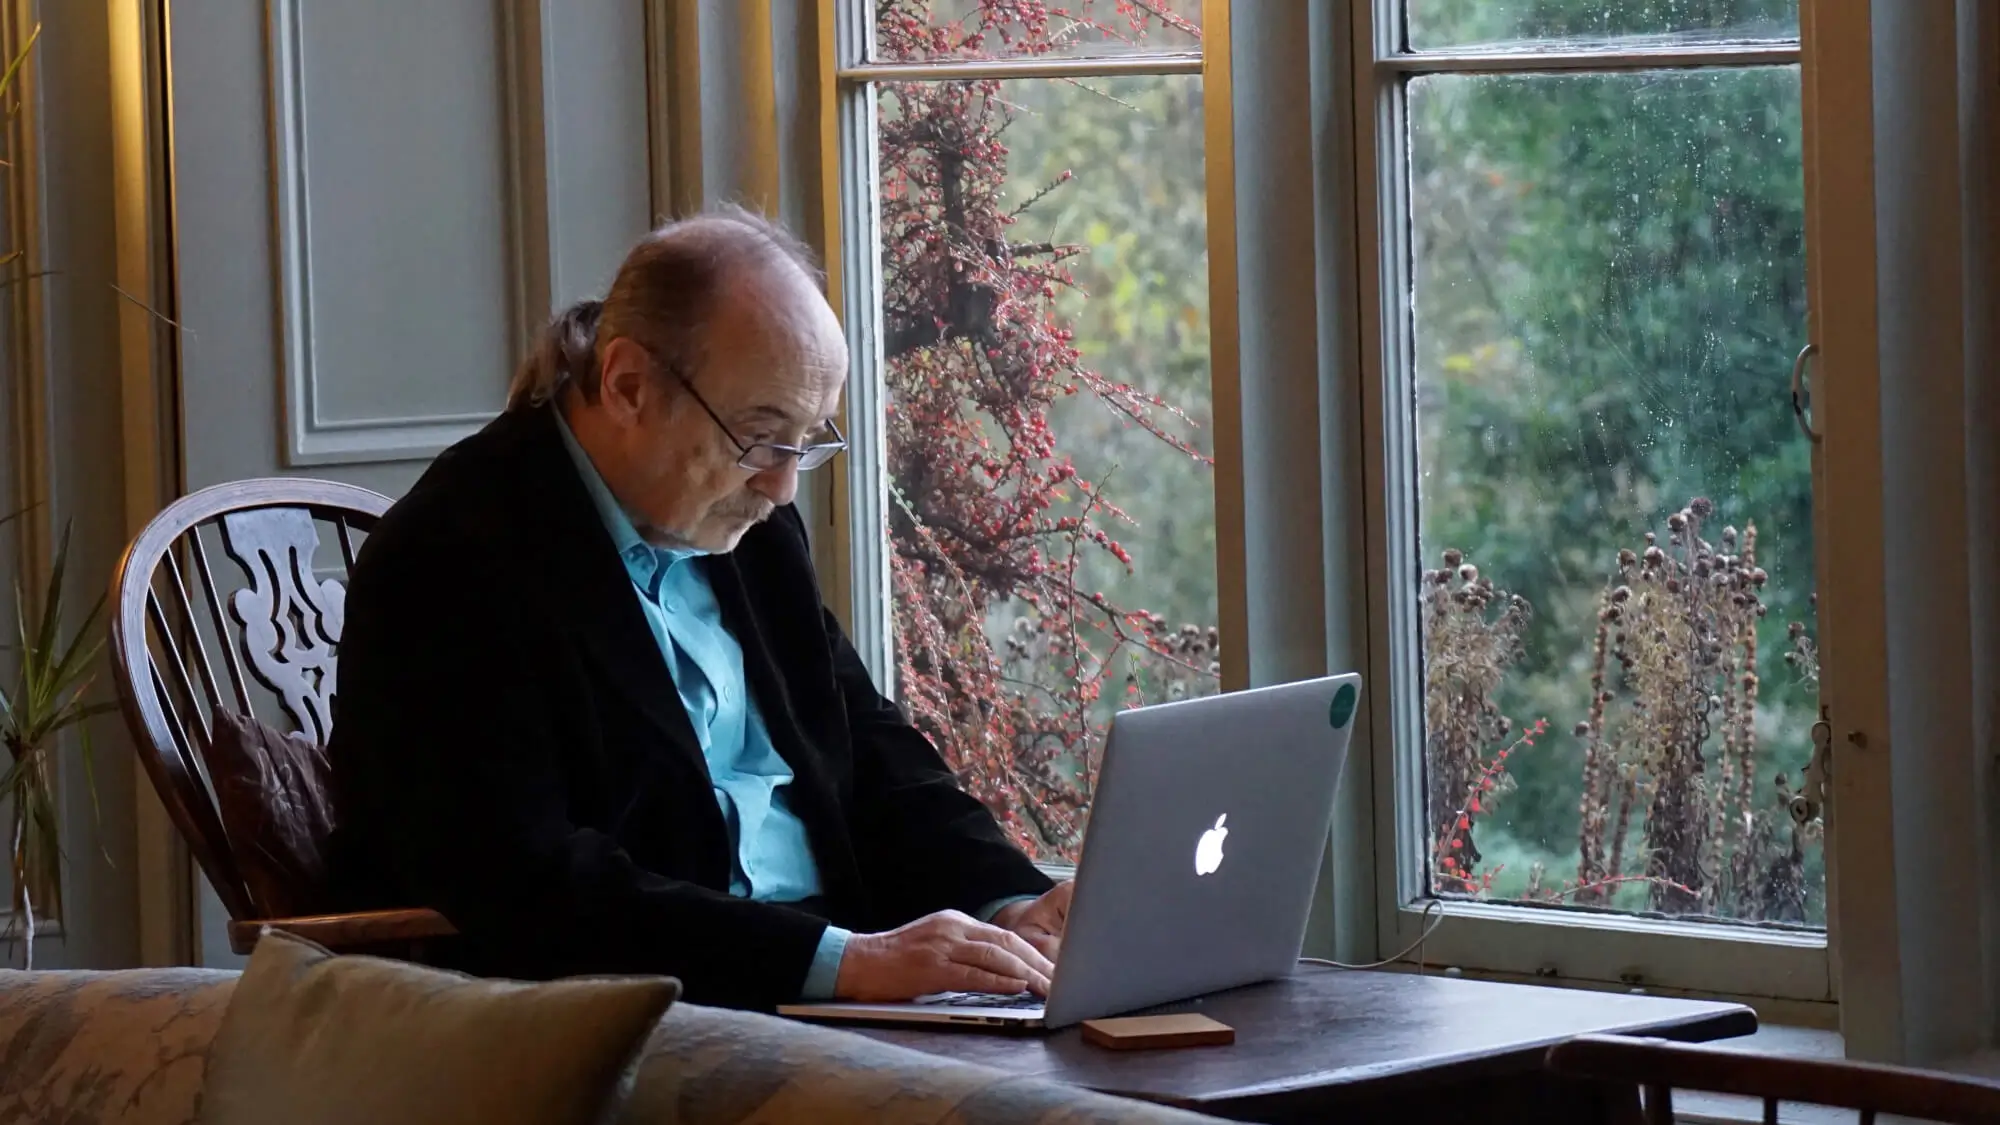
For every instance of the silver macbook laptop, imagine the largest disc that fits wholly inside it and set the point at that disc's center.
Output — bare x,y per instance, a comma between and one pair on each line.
1205,839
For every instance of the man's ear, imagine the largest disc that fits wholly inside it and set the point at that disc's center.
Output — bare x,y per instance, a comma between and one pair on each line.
627,382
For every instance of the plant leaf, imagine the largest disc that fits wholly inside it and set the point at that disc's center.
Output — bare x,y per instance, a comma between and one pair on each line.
45,647
82,651
14,68
74,712
90,783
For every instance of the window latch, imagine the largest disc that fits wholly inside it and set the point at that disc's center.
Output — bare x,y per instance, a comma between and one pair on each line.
1801,396
1810,800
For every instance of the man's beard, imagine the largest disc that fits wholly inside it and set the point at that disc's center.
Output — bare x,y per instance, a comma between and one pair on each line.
748,510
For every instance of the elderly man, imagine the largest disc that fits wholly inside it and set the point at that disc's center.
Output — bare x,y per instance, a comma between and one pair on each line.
591,706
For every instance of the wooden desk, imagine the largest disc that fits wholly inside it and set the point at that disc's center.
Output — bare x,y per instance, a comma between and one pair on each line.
1332,1044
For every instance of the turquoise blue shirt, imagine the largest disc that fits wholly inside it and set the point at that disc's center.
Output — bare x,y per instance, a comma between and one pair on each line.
773,860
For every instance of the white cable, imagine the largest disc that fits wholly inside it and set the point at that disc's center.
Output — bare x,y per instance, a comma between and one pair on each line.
1430,927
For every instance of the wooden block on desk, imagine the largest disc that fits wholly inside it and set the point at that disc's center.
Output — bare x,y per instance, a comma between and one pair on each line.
1142,1033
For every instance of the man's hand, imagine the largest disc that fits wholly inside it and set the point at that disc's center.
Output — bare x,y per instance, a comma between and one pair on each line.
943,952
1040,922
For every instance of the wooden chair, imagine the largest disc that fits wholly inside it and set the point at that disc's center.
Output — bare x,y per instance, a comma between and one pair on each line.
276,633
1624,1067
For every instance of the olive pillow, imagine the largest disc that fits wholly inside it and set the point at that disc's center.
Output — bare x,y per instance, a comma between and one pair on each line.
314,1039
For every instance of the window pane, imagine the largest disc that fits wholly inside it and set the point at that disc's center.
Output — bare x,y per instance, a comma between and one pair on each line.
1567,24
928,30
1616,503
1044,260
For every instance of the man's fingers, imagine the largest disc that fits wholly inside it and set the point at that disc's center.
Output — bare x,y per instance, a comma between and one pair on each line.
1047,944
1002,961
979,980
1060,896
1019,946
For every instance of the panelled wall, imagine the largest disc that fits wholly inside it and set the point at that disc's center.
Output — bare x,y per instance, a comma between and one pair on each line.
375,204
300,238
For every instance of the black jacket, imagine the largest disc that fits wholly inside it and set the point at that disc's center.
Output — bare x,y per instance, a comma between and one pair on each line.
509,747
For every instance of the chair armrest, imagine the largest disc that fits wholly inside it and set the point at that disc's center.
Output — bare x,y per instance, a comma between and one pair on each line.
340,932
1902,1091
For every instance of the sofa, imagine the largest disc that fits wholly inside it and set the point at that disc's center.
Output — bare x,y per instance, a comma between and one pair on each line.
131,1047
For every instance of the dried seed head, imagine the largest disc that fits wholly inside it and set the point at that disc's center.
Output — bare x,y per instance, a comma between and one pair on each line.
1729,537
1468,573
1651,539
1677,522
1655,556
1582,730
1453,556
1610,613
1626,558
1673,585
1702,507
1620,594
1758,577
1796,630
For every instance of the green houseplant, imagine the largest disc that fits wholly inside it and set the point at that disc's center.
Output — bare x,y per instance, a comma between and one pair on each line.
49,695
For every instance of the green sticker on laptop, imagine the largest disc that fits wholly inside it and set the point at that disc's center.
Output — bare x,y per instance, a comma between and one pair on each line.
1343,706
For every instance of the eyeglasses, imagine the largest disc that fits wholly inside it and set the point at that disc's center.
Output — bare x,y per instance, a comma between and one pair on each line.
765,456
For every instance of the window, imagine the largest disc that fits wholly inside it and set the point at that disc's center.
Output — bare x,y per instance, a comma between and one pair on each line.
1027,228
1600,623
1587,548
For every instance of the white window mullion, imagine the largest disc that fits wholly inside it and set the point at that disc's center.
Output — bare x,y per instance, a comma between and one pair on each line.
866,565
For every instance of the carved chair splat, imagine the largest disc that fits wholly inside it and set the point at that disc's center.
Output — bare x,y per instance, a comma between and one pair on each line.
275,637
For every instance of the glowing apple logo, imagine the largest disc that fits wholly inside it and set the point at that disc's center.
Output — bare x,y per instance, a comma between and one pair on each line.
1208,850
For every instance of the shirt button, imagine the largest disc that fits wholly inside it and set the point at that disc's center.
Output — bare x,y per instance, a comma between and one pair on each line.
673,605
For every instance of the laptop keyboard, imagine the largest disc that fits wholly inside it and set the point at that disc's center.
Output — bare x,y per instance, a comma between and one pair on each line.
983,1000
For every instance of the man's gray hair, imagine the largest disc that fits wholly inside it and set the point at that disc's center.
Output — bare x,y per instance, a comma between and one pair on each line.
662,299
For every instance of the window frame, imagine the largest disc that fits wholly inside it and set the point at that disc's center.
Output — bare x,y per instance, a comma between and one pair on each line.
1508,940
1363,910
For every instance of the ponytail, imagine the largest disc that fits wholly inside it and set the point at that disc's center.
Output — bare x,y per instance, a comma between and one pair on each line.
566,351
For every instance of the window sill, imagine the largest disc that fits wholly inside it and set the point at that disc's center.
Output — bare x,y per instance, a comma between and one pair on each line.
1778,1016
1746,933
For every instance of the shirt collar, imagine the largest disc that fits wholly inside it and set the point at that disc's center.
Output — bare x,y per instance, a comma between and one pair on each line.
638,554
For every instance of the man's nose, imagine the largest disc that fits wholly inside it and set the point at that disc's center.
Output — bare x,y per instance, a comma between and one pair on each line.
777,485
